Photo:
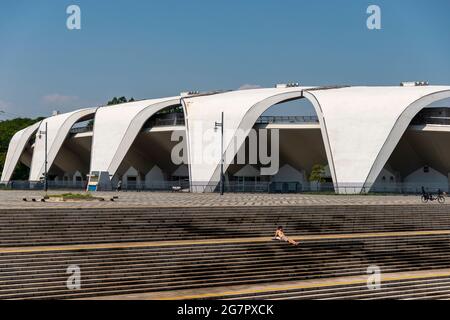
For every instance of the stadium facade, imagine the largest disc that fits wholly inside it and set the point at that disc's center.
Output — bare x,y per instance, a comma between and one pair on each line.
366,138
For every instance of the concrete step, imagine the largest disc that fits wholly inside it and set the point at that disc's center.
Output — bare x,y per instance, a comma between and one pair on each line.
423,288
57,227
43,274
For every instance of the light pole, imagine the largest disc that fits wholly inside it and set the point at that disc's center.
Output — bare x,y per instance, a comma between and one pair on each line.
216,125
45,159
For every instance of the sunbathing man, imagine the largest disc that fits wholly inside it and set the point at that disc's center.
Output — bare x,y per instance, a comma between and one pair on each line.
279,235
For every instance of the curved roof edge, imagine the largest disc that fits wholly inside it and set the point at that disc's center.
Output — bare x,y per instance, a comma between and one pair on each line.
15,149
115,130
364,124
398,130
241,110
57,131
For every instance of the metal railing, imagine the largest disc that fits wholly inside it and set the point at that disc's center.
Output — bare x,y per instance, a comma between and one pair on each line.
81,129
235,187
287,119
161,122
421,120
37,185
178,120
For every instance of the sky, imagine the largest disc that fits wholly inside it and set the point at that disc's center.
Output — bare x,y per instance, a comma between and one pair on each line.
150,49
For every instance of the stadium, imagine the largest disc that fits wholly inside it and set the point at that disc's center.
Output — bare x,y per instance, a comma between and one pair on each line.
366,139
225,156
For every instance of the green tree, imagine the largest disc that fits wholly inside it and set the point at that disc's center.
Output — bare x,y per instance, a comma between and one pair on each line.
317,173
119,100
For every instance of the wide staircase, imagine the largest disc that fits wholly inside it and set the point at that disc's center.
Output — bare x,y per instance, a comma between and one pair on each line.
157,250
70,226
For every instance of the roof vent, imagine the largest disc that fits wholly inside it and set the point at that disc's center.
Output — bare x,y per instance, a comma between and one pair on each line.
189,93
414,84
55,112
287,85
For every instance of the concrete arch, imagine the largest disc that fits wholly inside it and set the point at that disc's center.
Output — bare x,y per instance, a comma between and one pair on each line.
15,149
323,129
116,127
58,129
363,125
258,109
241,110
360,125
398,130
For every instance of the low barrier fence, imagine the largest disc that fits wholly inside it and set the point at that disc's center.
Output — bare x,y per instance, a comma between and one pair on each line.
232,187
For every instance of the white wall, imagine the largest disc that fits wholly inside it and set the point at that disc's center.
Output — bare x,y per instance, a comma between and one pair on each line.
432,180
181,171
154,178
76,175
289,174
131,172
247,171
388,184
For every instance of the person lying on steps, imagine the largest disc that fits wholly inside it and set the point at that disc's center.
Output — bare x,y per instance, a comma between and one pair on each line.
279,235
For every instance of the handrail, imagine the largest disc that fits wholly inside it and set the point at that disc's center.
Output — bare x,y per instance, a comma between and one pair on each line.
287,119
178,120
81,129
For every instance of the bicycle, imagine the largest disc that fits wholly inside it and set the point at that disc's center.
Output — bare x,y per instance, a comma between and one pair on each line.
429,197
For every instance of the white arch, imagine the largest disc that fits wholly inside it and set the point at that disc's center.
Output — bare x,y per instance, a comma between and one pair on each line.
241,110
58,128
258,109
355,122
15,150
116,127
398,130
363,126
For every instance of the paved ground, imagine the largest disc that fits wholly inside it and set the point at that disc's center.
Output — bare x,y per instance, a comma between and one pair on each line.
13,199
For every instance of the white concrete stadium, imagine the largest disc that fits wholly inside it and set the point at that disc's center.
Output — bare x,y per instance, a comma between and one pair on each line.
368,138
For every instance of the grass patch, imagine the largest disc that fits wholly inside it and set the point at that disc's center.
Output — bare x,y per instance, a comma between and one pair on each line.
72,196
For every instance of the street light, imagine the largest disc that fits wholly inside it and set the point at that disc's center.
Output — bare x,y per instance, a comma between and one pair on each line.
217,125
45,161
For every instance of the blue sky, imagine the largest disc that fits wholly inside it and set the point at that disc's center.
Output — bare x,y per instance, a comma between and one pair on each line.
149,49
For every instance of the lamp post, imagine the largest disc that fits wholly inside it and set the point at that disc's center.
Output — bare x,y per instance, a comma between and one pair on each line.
217,125
45,160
